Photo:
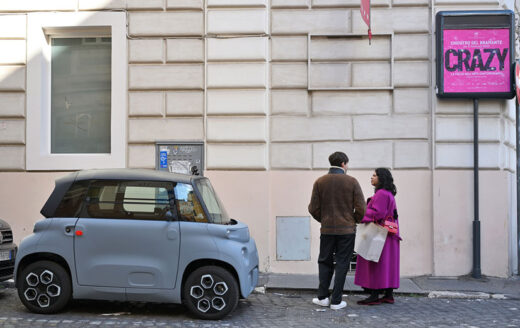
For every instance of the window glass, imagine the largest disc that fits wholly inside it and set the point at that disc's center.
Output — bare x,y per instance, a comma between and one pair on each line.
145,199
213,204
101,199
107,197
188,205
140,200
80,95
70,205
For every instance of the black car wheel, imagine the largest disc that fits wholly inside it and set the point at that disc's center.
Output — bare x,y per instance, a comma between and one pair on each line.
44,287
211,292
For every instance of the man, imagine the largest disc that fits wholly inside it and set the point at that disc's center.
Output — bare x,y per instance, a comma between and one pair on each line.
337,202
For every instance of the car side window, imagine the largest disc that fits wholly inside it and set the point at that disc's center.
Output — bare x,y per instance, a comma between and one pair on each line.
70,205
139,200
188,204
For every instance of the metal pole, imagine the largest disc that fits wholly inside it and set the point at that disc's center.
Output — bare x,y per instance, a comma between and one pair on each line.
518,183
476,223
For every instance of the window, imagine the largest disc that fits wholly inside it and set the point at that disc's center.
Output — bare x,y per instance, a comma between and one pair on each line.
70,205
80,95
139,200
188,205
144,199
106,197
76,90
213,204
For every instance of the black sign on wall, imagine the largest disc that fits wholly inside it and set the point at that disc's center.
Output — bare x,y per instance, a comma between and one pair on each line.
475,54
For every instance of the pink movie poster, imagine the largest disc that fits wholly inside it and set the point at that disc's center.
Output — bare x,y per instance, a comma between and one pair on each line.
477,61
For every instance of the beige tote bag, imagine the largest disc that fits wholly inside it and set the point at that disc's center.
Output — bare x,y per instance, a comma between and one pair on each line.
370,240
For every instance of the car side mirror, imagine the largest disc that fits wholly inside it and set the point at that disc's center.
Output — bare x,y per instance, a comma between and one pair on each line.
169,216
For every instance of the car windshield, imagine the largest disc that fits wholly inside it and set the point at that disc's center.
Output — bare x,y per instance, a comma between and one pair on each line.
213,204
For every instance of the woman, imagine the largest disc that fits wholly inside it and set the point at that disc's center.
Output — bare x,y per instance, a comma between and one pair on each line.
383,276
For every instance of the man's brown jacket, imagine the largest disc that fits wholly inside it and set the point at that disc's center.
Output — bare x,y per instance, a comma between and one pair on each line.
337,202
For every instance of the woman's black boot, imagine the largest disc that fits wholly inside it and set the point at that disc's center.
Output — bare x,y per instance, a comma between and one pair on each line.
388,297
373,299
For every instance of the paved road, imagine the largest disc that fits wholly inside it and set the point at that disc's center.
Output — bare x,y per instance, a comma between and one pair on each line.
283,309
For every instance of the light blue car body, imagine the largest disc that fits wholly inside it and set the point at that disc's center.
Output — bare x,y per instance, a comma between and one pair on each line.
140,260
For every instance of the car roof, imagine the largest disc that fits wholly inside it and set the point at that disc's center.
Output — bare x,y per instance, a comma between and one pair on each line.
63,184
133,174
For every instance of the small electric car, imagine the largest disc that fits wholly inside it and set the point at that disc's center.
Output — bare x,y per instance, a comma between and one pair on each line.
136,235
7,251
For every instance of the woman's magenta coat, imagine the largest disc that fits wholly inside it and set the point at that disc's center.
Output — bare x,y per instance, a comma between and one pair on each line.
385,273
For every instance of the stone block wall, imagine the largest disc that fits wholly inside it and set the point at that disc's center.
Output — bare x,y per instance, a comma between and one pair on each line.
166,76
237,84
286,79
372,101
12,91
278,85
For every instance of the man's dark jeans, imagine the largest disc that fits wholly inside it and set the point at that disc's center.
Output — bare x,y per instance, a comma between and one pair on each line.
342,246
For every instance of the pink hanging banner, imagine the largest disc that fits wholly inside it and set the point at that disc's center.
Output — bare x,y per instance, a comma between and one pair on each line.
365,14
365,11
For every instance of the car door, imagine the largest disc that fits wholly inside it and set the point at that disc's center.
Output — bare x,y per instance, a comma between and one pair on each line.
127,236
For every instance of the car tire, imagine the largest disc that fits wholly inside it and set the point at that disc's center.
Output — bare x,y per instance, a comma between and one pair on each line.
211,292
44,287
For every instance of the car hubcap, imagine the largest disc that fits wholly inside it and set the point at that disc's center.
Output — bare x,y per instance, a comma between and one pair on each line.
30,294
218,303
209,294
42,288
43,300
32,279
203,305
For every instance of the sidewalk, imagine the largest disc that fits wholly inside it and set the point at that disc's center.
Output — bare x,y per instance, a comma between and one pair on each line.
445,287
433,287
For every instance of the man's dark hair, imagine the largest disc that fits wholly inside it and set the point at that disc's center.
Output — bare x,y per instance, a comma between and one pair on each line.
386,181
335,159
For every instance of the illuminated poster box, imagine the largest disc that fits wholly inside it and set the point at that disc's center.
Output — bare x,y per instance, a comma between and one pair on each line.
475,54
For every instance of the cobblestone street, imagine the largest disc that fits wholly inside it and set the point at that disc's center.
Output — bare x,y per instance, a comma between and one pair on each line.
274,309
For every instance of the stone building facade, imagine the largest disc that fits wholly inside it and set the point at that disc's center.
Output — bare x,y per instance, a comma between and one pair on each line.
271,87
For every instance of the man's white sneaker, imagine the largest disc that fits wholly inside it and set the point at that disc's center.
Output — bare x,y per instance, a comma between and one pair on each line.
338,306
323,302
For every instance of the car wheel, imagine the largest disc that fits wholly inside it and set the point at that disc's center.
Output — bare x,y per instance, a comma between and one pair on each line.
44,287
210,292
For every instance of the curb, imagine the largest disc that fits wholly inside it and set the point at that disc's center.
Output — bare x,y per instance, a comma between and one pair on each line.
7,284
263,289
466,295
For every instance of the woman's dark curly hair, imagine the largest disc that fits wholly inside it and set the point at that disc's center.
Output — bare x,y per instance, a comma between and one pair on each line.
386,181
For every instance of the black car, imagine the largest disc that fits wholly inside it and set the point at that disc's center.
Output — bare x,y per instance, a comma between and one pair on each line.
7,251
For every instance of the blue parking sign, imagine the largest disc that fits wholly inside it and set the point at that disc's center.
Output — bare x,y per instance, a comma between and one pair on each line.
163,159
